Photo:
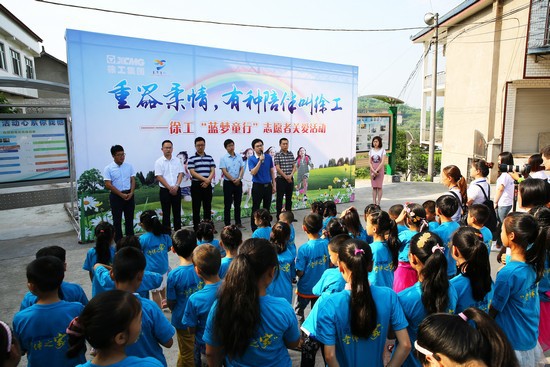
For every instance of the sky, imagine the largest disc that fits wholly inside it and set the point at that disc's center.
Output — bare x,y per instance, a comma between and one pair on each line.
385,59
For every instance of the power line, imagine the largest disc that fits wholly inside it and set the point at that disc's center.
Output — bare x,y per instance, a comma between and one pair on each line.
230,23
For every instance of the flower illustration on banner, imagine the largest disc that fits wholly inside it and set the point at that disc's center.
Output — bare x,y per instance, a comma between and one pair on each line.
90,203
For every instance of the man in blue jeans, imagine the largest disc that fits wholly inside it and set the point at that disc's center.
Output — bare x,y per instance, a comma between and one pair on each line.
263,179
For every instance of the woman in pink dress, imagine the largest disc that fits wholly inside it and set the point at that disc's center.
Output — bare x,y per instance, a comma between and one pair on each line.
376,161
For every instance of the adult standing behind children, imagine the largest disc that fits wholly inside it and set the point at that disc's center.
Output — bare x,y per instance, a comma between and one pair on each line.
232,167
169,173
376,162
286,166
201,166
120,179
263,179
453,179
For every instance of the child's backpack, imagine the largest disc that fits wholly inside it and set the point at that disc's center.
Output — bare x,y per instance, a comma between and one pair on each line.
492,220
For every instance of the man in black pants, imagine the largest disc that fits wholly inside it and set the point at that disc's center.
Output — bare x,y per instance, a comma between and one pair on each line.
232,166
120,179
169,173
286,166
201,167
263,178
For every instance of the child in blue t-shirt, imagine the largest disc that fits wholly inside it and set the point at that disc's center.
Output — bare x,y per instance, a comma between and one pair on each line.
182,283
262,219
128,268
102,253
395,212
288,218
205,234
70,292
351,220
41,328
329,212
281,286
385,248
156,243
473,284
370,208
353,324
445,207
478,214
206,260
110,323
431,216
311,262
231,238
515,304
433,292
231,333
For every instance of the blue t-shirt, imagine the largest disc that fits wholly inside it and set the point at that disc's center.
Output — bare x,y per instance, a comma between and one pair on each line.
466,298
277,325
290,244
544,283
70,292
432,225
361,236
214,243
102,277
334,327
129,361
198,307
325,222
405,238
181,284
224,266
382,268
155,249
517,301
263,176
487,237
411,301
91,259
331,281
313,260
401,228
309,326
446,231
281,286
155,329
262,232
41,330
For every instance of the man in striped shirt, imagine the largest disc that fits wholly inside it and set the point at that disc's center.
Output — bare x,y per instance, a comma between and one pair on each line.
201,167
286,166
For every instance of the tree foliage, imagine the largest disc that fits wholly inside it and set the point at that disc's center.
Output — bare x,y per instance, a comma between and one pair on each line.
90,181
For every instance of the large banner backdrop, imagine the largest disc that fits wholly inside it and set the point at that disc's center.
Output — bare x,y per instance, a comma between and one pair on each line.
137,93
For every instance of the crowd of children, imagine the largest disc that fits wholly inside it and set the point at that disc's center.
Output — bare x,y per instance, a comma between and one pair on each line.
411,280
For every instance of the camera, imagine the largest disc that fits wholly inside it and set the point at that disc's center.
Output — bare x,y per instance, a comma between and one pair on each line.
525,170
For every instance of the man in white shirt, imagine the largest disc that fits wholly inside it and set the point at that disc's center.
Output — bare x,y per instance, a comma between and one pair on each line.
169,173
120,179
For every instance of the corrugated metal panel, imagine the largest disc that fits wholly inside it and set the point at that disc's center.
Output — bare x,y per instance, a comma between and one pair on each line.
34,198
531,118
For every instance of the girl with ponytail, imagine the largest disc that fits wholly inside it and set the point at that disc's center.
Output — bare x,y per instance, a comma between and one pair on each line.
453,179
432,293
353,324
470,338
385,248
245,325
473,285
102,253
414,216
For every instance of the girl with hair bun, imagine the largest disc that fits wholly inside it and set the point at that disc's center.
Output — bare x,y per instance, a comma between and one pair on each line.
471,338
432,293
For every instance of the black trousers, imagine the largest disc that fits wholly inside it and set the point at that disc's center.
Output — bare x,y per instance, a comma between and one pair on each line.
120,206
261,194
284,189
170,202
201,196
232,194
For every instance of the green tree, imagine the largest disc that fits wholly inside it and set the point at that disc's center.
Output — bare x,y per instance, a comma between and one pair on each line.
150,179
90,181
4,100
332,162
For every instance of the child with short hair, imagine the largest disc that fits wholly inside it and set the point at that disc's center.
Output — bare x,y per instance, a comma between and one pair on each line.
41,328
318,207
431,217
156,243
478,214
206,261
103,252
395,212
351,220
281,286
230,240
262,219
445,207
110,323
182,283
205,234
70,292
288,218
385,248
311,262
128,241
128,268
329,212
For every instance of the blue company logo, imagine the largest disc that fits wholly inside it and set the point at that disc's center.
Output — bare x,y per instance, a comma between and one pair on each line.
160,64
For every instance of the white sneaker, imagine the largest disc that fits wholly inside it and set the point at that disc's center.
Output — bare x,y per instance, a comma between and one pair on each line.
494,247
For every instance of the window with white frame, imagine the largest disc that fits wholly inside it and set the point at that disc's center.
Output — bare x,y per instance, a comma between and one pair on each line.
16,61
29,68
3,64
